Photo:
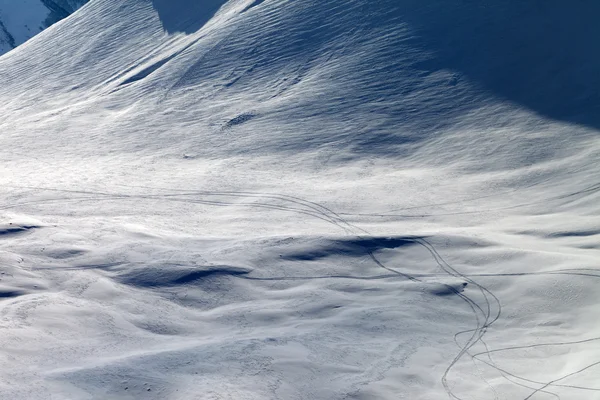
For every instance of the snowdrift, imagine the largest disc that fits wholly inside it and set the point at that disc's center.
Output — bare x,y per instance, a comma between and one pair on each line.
302,199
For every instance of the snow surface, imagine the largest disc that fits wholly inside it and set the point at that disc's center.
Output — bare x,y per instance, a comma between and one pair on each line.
298,199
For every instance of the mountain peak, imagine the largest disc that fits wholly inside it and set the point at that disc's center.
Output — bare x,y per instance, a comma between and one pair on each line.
19,23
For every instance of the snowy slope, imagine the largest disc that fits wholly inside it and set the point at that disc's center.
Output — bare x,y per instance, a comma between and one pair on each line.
20,20
300,199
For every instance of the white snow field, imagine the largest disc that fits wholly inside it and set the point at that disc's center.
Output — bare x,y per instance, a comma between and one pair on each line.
302,199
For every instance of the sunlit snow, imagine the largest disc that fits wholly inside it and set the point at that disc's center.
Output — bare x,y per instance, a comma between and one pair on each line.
298,199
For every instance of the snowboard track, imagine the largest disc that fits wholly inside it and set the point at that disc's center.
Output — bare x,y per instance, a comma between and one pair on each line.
486,311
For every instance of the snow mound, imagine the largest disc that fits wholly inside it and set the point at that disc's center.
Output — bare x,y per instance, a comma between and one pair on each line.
302,200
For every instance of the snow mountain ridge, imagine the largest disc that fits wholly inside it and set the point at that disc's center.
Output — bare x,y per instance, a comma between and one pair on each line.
23,19
302,199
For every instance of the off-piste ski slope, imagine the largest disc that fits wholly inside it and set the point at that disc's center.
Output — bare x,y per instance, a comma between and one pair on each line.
297,199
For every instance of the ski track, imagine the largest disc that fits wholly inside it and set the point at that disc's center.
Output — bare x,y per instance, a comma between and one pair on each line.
485,313
433,202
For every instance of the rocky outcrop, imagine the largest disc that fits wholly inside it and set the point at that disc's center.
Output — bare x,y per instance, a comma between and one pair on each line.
23,21
60,9
7,42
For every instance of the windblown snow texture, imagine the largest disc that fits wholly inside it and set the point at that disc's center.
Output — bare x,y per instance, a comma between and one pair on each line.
298,199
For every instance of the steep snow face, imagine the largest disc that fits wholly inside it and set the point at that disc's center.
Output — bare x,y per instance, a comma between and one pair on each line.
21,20
302,199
